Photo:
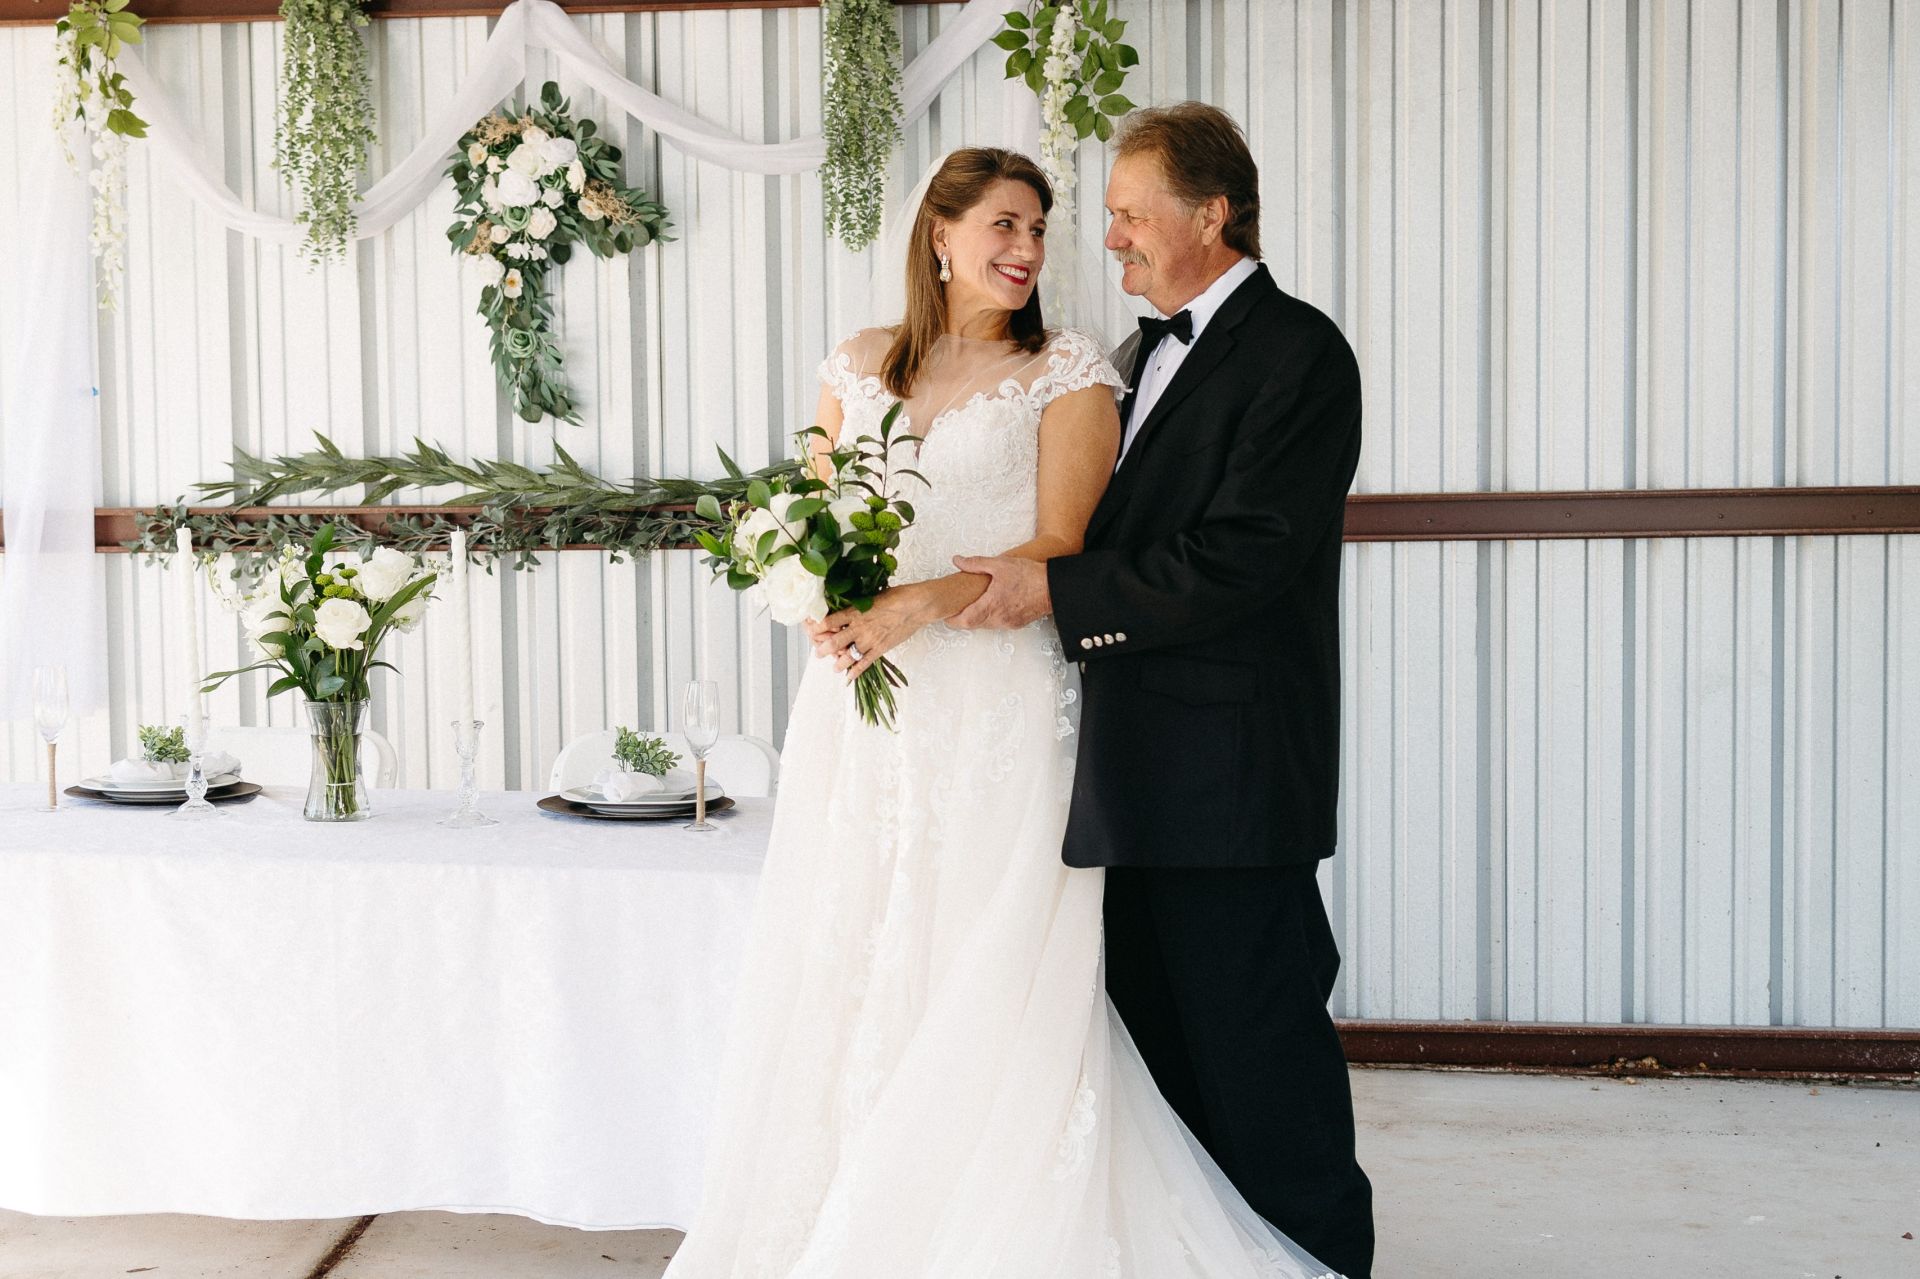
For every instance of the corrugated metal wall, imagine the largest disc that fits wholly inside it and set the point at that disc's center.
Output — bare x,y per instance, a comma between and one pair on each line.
1576,245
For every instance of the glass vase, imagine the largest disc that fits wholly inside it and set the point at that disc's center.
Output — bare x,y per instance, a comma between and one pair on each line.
337,789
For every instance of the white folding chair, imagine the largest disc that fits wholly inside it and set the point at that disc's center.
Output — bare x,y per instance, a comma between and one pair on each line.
284,756
746,767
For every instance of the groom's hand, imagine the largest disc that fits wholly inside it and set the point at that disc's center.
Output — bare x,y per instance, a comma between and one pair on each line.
1016,593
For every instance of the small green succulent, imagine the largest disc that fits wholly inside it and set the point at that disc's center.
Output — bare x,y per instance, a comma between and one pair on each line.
163,745
642,754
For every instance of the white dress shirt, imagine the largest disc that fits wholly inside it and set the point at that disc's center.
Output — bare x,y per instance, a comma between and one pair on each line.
1171,351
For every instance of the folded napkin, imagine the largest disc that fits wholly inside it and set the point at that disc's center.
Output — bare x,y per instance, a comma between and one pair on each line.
619,786
215,763
140,770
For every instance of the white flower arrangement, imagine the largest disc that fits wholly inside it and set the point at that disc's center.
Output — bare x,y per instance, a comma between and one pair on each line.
1068,53
530,186
319,617
88,89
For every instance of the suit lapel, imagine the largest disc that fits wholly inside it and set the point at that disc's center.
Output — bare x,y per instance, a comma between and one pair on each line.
1214,344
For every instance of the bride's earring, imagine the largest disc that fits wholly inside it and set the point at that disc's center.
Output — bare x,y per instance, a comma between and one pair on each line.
946,269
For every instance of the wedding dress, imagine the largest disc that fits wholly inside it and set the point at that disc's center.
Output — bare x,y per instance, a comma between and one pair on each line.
924,1078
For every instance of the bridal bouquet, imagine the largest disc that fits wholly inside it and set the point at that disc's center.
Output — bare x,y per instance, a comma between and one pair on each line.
318,619
807,547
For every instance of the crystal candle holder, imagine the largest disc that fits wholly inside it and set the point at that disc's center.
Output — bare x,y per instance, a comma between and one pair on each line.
466,744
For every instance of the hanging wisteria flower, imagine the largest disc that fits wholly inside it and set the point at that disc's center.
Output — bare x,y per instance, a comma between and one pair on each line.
1067,52
89,90
530,186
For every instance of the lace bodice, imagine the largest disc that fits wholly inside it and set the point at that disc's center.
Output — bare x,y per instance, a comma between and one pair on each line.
977,405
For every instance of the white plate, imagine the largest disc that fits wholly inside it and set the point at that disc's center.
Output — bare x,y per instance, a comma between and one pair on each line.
153,786
663,799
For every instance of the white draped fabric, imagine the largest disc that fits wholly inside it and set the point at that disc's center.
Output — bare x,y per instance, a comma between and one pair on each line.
277,1019
51,437
50,417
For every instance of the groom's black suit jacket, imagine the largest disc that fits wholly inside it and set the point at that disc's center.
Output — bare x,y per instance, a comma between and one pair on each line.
1204,608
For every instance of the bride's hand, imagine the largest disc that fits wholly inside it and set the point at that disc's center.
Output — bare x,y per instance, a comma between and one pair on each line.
856,640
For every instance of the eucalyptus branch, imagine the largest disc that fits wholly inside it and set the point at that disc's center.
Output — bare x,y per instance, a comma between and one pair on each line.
326,117
522,510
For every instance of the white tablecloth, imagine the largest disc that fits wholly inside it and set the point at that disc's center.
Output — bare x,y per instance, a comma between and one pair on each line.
266,1018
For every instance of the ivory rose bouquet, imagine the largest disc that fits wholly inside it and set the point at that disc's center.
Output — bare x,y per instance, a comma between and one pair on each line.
807,546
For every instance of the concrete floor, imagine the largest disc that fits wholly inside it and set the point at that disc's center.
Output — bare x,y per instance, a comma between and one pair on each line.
1475,1176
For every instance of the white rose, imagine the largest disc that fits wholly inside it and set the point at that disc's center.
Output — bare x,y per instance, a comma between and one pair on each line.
293,569
576,177
526,159
541,225
793,594
476,153
512,284
340,623
499,234
551,197
263,615
489,269
517,190
843,507
517,251
757,524
490,195
558,154
534,135
409,614
591,212
383,573
493,164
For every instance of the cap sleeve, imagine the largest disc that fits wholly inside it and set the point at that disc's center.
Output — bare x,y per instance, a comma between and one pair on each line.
854,360
1075,361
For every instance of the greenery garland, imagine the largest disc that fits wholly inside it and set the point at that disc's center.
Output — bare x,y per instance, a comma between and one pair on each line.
522,509
326,117
530,186
862,124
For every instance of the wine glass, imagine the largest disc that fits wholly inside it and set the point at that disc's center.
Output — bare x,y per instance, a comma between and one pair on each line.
50,717
700,723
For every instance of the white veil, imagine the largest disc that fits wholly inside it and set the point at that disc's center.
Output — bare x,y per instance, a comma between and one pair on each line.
1075,288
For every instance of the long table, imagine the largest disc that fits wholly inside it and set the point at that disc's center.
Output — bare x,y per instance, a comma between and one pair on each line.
261,1017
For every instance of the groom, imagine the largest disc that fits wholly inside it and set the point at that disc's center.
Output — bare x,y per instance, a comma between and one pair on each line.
1204,611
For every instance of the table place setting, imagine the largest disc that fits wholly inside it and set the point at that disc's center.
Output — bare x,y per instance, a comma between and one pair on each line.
641,781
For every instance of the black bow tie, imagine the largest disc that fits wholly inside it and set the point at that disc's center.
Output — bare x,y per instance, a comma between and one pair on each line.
1152,330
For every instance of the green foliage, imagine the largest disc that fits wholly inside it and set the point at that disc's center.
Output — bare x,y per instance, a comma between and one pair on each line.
643,754
1095,70
587,205
99,30
326,117
160,745
862,115
522,509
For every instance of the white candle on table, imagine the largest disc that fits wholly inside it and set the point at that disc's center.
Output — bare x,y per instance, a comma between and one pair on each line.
462,627
196,713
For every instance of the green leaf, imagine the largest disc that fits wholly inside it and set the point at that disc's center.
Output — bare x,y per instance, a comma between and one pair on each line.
1103,128
1011,40
1116,104
285,684
1127,54
1015,19
733,468
758,494
707,507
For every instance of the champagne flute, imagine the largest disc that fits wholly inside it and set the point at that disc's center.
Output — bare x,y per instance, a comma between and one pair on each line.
700,723
50,717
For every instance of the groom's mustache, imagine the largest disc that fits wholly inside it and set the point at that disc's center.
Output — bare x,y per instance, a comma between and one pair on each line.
1127,257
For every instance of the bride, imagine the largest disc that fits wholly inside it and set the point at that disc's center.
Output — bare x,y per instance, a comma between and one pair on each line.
924,1078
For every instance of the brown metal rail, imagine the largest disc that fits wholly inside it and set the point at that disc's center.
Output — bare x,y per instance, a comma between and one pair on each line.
1419,517
1636,1049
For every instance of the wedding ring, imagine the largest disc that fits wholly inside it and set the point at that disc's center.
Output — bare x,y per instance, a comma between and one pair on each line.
855,650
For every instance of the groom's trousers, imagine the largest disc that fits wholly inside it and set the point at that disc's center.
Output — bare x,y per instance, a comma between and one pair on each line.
1222,977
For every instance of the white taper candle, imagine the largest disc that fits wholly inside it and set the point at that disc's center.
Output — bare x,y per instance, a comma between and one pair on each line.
462,627
196,712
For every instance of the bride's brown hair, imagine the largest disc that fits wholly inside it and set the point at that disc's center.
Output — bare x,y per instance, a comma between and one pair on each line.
959,184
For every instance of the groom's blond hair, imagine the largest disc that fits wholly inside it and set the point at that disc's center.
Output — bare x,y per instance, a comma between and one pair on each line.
1202,154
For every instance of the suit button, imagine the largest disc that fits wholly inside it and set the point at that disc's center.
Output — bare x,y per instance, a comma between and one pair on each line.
1108,639
1119,637
1086,643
